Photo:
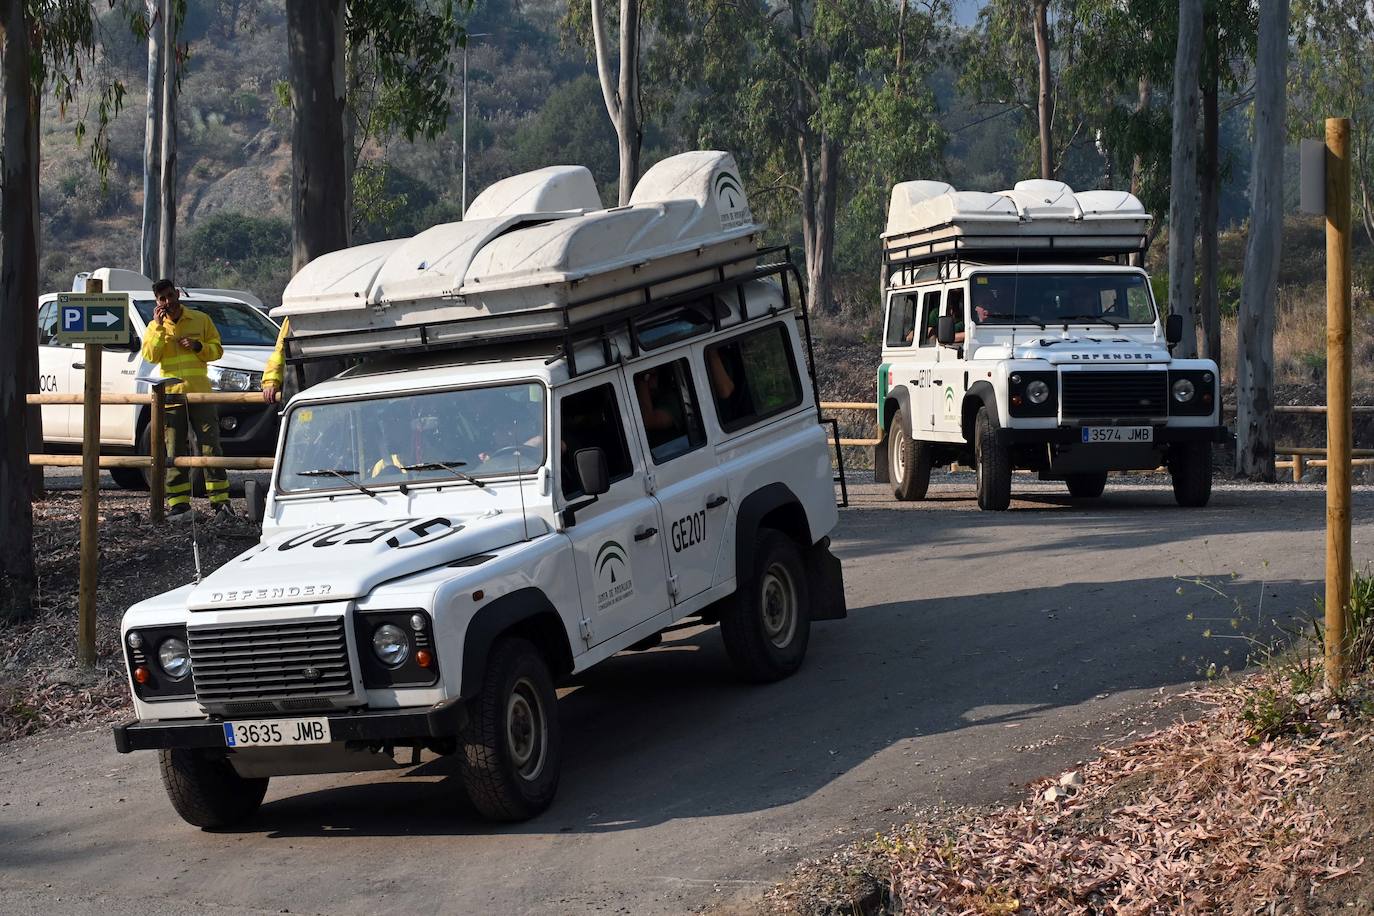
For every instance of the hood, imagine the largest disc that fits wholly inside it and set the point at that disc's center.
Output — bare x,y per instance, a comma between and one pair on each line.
252,359
348,559
1084,349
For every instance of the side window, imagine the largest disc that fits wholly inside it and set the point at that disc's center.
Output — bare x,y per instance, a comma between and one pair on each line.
901,321
591,419
47,325
668,407
753,376
954,305
930,309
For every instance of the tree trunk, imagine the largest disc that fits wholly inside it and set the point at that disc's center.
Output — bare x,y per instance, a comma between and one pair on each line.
1183,173
19,236
1145,91
1046,103
319,168
820,161
621,95
1209,303
167,223
152,146
1255,349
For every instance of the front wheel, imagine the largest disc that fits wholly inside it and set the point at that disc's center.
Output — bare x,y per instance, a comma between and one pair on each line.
205,789
1190,465
767,623
1086,486
510,750
993,462
908,460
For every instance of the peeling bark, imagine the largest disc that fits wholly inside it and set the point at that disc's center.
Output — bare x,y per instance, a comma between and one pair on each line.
1183,174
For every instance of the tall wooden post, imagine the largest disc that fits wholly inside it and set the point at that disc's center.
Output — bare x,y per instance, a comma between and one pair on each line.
90,502
157,449
1339,432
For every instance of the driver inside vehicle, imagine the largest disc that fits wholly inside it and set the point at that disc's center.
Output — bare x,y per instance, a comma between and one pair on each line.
510,426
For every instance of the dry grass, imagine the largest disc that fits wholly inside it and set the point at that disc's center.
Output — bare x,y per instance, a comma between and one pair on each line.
1300,339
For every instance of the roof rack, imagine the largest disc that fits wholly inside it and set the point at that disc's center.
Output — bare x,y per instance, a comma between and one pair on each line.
566,324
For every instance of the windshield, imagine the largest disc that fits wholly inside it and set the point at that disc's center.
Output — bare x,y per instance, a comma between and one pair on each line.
1069,298
414,438
239,324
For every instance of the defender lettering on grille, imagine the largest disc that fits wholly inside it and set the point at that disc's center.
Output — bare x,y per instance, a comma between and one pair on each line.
1099,357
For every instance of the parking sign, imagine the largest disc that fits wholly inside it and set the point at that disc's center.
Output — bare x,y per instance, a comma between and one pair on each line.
93,318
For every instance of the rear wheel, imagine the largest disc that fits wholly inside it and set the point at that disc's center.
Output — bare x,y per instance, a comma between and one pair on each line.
1086,486
1190,465
510,750
908,460
135,478
205,789
993,462
767,623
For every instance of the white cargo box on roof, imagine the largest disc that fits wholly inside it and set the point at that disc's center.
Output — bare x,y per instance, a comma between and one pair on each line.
929,219
536,255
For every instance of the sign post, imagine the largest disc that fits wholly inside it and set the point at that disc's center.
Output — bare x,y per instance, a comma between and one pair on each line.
1339,432
93,319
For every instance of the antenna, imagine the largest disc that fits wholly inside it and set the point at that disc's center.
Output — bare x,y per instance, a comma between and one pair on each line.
195,543
520,485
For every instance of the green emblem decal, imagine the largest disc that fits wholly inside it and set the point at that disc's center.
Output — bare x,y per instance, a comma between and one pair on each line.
611,572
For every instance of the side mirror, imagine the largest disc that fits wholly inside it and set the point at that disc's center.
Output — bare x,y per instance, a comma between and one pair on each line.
1173,329
944,331
592,470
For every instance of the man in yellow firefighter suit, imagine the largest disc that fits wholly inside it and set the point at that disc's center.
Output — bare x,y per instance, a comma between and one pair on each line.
275,373
182,341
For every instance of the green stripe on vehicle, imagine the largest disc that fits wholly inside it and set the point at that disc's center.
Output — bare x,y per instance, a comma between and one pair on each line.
883,372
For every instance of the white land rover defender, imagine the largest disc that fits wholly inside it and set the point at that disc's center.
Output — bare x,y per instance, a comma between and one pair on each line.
567,430
1015,337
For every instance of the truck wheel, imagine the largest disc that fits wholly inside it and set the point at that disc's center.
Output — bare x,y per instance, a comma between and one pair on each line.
205,789
510,750
1086,486
135,478
1190,465
767,622
908,460
993,464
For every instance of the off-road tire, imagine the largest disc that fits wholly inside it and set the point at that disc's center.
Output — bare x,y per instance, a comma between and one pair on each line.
510,751
135,478
767,622
992,461
205,789
1086,486
1190,465
908,461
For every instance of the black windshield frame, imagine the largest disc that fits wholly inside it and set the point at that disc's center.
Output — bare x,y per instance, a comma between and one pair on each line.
1047,299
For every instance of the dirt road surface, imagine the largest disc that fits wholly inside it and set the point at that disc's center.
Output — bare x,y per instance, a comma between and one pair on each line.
982,650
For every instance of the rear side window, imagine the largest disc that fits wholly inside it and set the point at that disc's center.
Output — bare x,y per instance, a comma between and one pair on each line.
753,376
930,323
668,407
901,321
591,419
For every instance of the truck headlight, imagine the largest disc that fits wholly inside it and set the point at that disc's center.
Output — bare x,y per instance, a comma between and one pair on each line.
1037,392
174,657
1184,391
233,379
391,645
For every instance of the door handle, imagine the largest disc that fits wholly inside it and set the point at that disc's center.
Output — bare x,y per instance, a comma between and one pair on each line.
643,534
937,381
78,365
715,502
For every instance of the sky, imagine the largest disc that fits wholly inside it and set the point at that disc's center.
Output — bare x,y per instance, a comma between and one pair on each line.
965,11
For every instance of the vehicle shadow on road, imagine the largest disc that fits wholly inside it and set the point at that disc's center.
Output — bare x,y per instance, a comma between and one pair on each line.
671,734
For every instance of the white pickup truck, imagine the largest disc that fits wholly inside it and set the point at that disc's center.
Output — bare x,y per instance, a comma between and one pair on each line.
248,336
573,430
1016,337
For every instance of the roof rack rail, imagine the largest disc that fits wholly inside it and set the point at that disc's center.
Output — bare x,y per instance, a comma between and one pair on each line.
561,323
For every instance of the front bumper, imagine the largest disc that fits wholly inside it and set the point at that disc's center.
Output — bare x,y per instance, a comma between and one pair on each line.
1072,435
255,430
442,720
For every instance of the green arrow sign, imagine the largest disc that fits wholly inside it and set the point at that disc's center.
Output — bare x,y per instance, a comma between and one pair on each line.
92,318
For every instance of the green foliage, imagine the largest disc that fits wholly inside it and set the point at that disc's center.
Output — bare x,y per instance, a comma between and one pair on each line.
236,251
571,127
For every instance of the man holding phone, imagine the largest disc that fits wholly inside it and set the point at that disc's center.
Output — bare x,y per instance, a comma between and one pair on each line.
182,341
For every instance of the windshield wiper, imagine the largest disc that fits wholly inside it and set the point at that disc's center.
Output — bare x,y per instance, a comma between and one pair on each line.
450,466
1090,318
341,474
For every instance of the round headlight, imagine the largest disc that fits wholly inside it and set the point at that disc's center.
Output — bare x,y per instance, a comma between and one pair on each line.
390,644
135,641
417,622
174,658
1016,378
1184,391
1037,392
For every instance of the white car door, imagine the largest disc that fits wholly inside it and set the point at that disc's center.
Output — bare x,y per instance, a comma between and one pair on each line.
55,377
947,392
618,540
691,489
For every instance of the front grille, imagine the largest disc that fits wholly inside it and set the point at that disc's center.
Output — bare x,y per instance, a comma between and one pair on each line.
244,665
1111,395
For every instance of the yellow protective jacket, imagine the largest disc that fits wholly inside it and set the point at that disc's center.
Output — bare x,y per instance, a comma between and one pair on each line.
272,375
161,346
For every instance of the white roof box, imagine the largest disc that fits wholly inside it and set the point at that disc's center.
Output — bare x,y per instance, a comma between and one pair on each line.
508,271
930,219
